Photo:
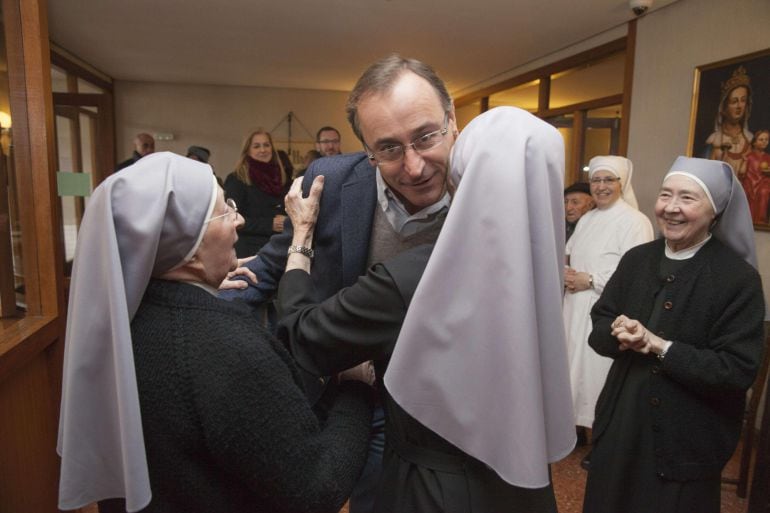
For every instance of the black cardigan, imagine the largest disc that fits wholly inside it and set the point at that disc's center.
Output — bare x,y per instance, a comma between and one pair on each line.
713,313
226,425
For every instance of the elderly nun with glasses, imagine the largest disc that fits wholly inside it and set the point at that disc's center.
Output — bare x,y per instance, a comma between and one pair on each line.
681,321
475,388
601,237
175,400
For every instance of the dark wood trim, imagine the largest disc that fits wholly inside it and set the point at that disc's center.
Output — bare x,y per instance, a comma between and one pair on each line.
79,99
543,95
43,157
574,170
628,83
104,148
484,105
572,61
615,99
76,69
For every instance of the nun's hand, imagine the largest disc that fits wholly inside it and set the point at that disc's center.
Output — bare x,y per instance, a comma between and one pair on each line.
631,334
243,272
575,281
304,211
362,372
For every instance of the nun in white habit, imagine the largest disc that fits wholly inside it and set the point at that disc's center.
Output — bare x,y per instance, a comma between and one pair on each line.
476,388
173,399
681,320
601,237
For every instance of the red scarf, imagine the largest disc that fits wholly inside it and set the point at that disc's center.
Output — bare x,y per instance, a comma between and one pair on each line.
266,176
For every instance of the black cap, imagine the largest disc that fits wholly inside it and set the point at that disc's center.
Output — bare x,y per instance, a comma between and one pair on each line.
200,152
578,187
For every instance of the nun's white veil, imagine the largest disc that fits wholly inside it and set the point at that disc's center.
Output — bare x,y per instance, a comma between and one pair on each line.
140,222
733,225
481,358
620,167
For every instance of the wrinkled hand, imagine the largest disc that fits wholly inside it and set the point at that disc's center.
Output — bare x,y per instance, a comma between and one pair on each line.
575,281
361,372
631,334
229,283
278,223
303,212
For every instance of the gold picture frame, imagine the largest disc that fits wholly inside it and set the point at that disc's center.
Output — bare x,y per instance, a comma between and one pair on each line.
730,108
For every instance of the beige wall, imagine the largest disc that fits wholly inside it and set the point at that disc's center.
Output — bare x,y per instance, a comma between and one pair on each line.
670,43
219,117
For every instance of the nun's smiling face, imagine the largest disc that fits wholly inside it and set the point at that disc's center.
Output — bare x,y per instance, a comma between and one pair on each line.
605,188
683,212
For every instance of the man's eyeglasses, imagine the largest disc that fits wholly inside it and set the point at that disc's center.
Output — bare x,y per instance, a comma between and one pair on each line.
604,181
396,152
232,209
329,141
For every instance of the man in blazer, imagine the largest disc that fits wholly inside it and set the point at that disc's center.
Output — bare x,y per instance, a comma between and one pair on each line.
403,114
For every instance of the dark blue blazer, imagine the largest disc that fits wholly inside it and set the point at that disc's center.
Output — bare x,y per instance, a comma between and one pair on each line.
342,233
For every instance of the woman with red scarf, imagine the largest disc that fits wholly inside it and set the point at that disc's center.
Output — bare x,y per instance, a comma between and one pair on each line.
258,185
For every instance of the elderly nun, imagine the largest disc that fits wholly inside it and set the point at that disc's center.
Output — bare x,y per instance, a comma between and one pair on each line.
681,319
476,387
175,400
601,237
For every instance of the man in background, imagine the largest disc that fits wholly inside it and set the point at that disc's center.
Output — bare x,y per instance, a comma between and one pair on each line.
144,144
577,201
327,141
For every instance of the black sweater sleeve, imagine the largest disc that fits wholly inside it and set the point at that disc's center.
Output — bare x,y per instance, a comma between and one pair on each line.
359,323
258,424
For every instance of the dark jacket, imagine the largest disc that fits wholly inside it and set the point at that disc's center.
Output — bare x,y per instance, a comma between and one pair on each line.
712,311
130,161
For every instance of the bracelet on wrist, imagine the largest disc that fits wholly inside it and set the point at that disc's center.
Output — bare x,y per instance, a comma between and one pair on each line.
302,250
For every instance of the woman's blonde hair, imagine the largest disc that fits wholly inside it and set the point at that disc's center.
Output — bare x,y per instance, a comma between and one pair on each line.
242,167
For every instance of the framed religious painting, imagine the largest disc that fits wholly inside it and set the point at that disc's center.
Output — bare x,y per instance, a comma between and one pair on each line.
730,121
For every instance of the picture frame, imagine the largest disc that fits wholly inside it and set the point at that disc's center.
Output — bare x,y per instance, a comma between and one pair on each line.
730,107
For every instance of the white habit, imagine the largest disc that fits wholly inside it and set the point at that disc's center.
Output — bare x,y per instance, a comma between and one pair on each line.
601,237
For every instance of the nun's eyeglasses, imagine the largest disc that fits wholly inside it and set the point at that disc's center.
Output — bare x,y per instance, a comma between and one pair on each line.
232,208
605,181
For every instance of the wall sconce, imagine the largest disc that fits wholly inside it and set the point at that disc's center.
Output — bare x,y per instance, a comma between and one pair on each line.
5,122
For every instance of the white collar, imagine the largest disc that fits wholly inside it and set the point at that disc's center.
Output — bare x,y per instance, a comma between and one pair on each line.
684,254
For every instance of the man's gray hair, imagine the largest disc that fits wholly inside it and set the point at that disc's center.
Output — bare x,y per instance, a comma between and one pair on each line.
380,78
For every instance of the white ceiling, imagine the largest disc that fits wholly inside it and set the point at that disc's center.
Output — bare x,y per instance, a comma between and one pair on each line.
320,44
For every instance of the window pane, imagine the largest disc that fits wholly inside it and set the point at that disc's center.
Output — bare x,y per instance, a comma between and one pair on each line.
602,132
88,87
523,96
564,125
466,113
11,269
58,80
596,79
